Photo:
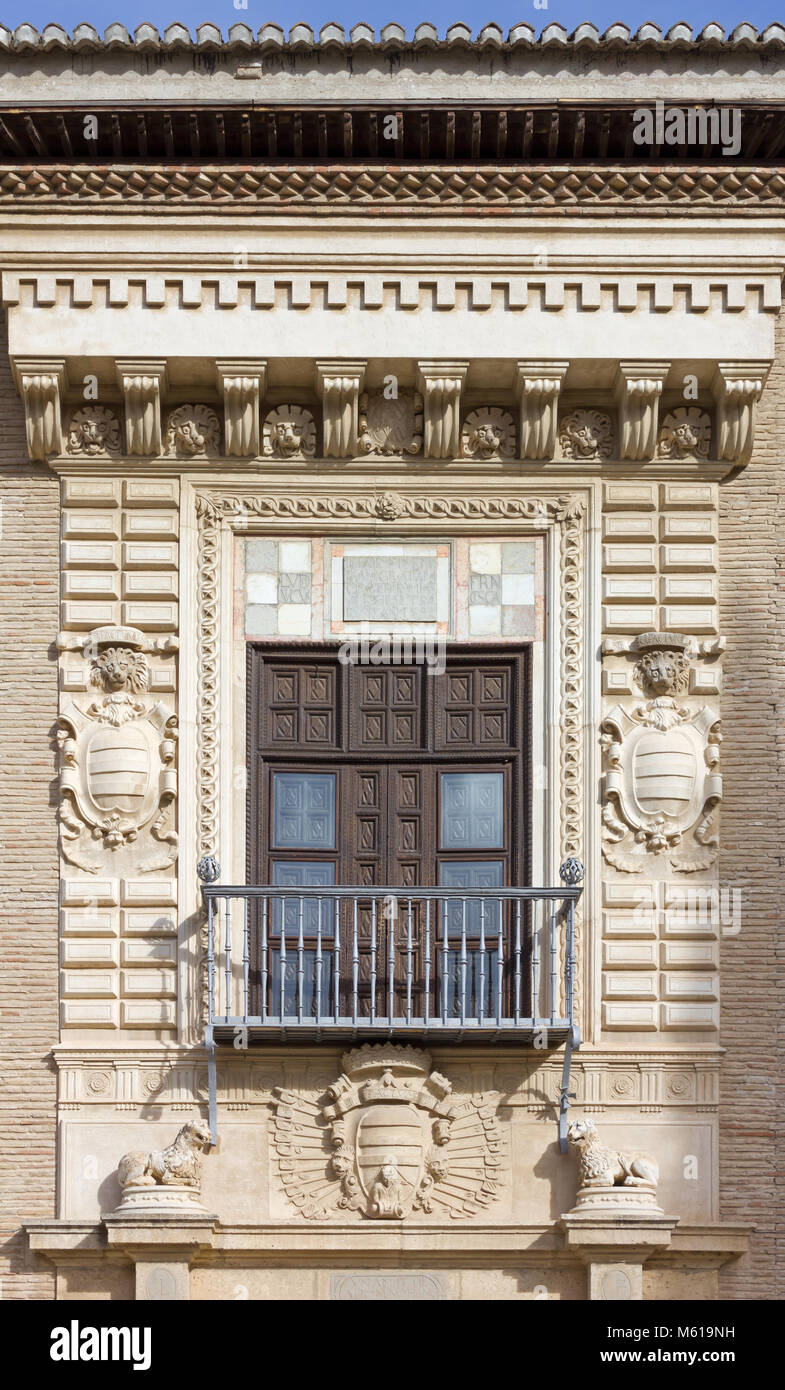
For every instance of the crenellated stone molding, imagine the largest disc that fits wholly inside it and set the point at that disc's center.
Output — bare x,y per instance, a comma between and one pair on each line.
441,385
339,384
143,384
537,386
639,386
241,384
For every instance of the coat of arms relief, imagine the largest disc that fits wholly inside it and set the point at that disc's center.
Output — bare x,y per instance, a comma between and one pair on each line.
117,773
387,1140
662,785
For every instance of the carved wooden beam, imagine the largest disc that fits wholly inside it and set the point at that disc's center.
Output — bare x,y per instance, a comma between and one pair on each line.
143,384
241,384
41,383
638,389
339,385
538,385
441,385
737,388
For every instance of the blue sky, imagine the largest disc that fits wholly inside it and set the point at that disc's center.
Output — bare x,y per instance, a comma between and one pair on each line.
406,12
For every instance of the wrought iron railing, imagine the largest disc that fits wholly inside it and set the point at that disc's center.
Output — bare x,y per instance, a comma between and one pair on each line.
379,962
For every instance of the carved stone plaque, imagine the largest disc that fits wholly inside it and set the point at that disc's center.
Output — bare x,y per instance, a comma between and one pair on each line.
389,588
384,1286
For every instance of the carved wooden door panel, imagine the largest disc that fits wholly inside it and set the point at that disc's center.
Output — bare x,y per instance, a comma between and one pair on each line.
390,776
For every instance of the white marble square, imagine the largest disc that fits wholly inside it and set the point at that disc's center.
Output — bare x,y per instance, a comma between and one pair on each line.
486,558
262,588
485,620
294,556
518,588
294,620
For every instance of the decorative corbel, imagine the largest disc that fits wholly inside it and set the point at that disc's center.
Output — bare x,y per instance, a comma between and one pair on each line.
41,382
538,385
441,385
339,385
241,384
639,386
143,384
737,387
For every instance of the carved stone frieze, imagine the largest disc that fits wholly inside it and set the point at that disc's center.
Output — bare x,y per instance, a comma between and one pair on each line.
441,385
737,388
339,385
619,190
289,433
390,425
193,431
41,385
143,385
387,1140
538,385
488,433
586,435
685,434
117,758
639,386
94,431
241,384
661,779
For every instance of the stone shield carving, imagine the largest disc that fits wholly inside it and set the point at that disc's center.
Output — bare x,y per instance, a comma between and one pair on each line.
661,782
386,1141
390,426
118,754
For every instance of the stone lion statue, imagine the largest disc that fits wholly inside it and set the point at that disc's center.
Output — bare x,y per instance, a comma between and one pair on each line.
599,1166
180,1162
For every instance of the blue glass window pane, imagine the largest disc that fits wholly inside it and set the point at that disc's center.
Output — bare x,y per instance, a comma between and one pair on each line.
290,978
472,813
486,873
303,873
304,810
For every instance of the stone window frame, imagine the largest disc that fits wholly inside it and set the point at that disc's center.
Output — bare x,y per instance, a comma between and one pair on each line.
213,706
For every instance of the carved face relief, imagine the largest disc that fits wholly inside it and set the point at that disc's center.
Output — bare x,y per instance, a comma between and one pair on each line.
487,434
192,430
663,672
119,667
685,434
390,426
586,434
289,433
396,1135
93,430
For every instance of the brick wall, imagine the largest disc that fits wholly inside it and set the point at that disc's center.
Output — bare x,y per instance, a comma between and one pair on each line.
752,548
29,581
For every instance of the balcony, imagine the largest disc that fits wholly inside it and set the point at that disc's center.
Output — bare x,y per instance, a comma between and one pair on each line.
414,963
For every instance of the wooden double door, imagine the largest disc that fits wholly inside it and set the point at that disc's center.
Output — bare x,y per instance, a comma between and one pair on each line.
388,776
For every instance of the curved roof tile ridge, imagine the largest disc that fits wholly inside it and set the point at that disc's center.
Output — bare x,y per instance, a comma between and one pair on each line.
391,35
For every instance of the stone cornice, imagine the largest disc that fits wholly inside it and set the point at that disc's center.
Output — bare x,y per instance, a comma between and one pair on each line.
307,190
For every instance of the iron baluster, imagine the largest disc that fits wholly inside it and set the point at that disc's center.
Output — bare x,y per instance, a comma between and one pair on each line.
300,970
517,1008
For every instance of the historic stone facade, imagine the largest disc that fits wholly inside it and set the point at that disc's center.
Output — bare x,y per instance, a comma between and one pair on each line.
500,429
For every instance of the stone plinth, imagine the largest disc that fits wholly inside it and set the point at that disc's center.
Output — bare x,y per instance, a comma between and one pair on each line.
167,1198
614,1230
